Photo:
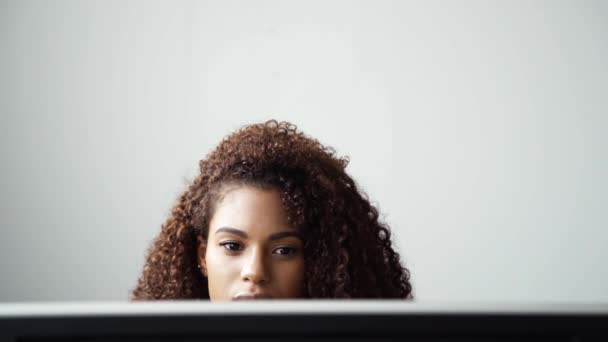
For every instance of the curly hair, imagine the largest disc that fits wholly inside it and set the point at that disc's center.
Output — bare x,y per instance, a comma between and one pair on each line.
347,249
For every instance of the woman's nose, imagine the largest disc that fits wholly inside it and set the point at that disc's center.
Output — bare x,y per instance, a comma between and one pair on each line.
254,268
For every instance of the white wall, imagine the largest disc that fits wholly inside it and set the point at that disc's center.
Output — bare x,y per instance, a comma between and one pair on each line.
477,127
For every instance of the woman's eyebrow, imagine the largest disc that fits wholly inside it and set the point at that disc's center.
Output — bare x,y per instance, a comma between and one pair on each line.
281,235
276,236
232,231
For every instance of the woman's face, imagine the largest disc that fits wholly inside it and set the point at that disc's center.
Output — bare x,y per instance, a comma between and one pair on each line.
252,252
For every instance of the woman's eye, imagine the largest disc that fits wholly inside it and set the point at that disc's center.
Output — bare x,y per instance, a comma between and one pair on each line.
285,250
231,246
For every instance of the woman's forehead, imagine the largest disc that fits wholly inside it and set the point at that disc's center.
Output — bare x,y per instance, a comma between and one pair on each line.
250,209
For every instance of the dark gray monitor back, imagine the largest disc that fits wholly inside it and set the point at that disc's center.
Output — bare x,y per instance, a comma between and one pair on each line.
302,321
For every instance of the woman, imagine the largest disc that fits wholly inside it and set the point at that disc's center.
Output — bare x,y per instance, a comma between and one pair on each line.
272,214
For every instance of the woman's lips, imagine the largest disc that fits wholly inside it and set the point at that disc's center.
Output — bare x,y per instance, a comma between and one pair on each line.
250,296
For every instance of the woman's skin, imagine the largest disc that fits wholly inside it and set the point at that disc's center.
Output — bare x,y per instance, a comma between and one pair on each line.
252,252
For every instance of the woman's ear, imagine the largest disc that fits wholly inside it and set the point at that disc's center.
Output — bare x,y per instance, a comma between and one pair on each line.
202,249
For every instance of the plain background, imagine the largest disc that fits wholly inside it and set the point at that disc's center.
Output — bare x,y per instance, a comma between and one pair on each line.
477,127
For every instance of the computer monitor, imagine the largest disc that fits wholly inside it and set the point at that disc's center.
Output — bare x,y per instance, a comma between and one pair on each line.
330,320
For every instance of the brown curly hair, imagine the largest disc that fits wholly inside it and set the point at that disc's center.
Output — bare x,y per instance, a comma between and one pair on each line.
347,250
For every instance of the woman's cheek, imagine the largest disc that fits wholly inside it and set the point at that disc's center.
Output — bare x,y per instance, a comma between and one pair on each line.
292,278
220,274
